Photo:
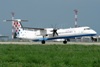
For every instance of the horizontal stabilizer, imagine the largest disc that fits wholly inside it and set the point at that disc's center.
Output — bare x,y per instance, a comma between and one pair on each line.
18,20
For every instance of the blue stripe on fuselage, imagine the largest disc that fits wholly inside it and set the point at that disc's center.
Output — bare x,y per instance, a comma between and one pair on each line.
63,37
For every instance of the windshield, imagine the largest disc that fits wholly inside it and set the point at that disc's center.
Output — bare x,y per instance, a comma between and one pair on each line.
87,28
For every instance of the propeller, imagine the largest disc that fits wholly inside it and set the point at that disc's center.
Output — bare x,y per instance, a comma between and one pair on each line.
54,31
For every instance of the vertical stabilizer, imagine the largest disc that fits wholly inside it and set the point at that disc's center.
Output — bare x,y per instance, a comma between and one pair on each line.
16,24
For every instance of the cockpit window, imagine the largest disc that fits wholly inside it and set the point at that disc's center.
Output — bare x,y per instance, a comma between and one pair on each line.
86,28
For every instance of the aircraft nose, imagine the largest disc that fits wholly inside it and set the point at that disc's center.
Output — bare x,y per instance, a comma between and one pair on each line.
94,32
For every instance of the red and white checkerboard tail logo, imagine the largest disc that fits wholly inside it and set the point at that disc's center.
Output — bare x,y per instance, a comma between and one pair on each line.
15,28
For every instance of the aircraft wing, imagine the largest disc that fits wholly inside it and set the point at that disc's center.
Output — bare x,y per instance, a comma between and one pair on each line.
43,31
33,28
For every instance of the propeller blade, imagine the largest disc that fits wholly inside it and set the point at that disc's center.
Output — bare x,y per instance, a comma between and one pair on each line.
55,32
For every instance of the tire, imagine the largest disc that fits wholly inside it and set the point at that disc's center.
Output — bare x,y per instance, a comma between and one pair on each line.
43,42
65,42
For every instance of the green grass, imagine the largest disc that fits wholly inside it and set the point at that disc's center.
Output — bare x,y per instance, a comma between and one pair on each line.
49,56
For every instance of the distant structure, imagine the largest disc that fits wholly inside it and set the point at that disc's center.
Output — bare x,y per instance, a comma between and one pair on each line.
76,11
12,13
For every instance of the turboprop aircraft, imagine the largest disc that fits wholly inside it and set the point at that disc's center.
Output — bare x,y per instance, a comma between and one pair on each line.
44,34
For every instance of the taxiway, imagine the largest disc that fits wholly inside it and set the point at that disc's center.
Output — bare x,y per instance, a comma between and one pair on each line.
52,43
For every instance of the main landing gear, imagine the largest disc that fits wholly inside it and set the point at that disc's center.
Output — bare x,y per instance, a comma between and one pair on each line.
43,41
65,42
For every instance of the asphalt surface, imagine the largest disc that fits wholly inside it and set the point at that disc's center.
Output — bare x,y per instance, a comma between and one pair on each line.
52,43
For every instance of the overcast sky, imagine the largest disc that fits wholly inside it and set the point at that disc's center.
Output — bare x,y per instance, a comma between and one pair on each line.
50,13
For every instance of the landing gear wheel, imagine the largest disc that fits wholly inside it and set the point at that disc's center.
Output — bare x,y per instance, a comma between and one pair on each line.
43,42
64,42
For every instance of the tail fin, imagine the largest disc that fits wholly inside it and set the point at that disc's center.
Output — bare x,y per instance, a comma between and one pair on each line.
16,25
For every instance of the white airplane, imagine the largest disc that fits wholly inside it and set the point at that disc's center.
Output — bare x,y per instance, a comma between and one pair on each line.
44,34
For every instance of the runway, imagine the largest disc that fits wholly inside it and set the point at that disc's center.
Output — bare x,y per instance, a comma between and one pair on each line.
52,43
